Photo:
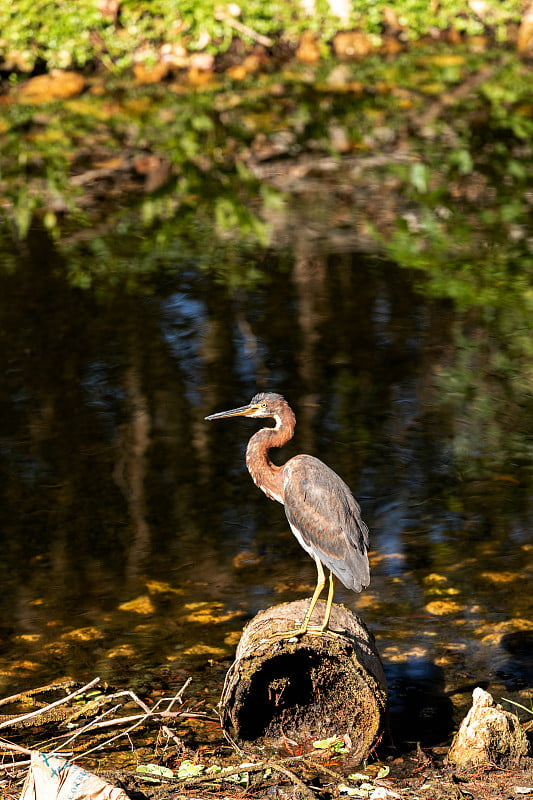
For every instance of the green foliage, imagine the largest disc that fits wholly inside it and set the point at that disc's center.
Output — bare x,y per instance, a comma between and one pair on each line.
65,34
520,705
154,773
56,32
332,743
214,212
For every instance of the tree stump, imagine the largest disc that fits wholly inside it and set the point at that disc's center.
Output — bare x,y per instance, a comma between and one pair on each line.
280,691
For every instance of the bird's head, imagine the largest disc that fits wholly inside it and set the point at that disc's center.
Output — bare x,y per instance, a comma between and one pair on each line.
264,404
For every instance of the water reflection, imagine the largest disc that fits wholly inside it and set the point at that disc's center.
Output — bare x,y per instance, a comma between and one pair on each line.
134,540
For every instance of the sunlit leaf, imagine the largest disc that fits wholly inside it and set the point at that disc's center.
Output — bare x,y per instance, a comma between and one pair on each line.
187,769
140,605
333,743
419,176
155,770
383,772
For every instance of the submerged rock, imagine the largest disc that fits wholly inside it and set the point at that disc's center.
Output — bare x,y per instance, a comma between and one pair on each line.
488,734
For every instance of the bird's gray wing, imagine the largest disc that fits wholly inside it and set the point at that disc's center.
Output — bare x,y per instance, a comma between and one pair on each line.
322,510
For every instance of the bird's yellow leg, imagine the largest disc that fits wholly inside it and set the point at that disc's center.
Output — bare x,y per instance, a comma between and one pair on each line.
329,602
320,583
305,627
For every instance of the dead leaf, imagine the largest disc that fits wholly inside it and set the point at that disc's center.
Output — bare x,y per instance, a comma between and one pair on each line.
245,559
237,72
442,607
478,44
205,613
443,60
198,77
392,46
254,62
352,45
339,138
150,74
501,577
109,163
121,651
201,649
308,51
57,85
162,587
83,634
140,605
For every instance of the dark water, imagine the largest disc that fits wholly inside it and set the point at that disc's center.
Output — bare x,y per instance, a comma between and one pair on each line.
134,543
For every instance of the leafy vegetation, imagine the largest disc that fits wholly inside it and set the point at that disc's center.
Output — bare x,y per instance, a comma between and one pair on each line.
117,34
457,166
426,156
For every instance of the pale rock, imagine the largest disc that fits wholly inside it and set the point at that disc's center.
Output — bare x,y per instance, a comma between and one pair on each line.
488,734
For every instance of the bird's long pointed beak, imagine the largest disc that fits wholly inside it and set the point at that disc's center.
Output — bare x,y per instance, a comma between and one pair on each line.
242,411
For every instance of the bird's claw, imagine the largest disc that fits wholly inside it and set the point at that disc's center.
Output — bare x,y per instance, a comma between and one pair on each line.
297,633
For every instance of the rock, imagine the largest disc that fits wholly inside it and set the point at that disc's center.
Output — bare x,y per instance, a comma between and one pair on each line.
488,734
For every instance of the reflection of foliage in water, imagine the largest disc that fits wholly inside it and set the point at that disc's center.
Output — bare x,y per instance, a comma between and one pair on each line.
490,387
448,170
469,236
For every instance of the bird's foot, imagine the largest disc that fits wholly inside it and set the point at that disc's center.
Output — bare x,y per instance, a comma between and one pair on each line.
297,633
292,634
320,630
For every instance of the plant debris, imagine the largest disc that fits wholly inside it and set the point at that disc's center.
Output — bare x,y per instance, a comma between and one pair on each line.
137,751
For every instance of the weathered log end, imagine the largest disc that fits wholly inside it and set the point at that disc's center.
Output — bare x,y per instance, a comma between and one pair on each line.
279,691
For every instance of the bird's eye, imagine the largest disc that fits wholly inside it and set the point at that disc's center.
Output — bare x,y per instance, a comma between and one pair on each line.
263,405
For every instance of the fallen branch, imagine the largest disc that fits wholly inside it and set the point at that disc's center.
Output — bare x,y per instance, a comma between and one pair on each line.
84,729
300,785
15,765
17,720
225,15
137,719
161,713
247,31
16,747
50,687
252,766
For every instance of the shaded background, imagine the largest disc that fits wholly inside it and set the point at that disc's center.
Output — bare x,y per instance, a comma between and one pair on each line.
134,543
355,236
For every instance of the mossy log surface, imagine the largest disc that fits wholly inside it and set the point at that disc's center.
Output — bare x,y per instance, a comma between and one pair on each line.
282,691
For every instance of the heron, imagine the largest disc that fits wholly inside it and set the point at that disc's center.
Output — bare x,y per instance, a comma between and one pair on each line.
321,510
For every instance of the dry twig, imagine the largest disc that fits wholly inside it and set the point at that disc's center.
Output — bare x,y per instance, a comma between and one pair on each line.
16,720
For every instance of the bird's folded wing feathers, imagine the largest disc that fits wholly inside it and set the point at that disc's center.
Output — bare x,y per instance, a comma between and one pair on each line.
321,507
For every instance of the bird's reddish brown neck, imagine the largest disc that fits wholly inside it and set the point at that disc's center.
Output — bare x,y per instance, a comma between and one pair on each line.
266,475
